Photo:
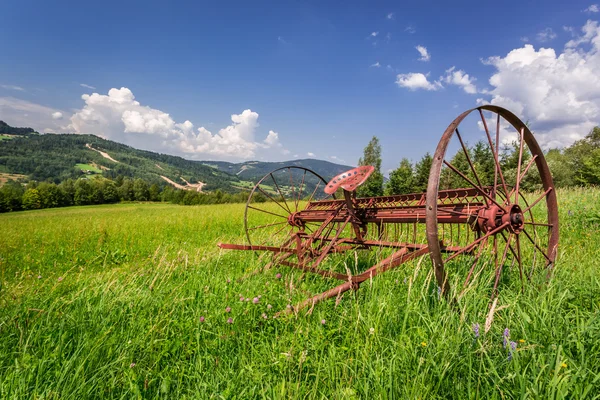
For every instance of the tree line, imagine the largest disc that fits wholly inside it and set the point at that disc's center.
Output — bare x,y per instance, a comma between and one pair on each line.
576,165
15,197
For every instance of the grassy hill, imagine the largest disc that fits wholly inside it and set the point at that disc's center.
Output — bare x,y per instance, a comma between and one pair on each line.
57,157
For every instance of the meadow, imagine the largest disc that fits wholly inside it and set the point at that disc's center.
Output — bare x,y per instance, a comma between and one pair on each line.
136,301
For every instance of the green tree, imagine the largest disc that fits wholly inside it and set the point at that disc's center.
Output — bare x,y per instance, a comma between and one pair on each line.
83,192
68,192
31,200
154,192
140,190
50,195
372,156
126,190
12,196
109,192
401,179
422,173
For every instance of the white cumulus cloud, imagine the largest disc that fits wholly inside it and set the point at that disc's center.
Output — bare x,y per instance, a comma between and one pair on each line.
594,8
310,154
559,94
118,116
416,80
546,35
57,115
425,56
461,79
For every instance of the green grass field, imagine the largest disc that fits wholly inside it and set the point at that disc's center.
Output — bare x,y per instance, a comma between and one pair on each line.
129,301
88,168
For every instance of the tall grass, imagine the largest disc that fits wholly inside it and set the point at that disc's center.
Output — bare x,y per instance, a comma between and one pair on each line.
130,301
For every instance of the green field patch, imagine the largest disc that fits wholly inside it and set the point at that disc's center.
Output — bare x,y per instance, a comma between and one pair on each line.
6,137
88,168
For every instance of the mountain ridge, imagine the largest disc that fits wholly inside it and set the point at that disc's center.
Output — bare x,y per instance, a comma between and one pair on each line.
57,157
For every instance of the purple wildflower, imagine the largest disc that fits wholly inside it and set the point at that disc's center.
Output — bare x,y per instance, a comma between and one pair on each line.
39,277
242,298
278,276
201,319
269,306
505,337
131,365
570,213
255,300
228,309
513,348
60,278
476,330
289,306
228,280
230,320
264,316
323,322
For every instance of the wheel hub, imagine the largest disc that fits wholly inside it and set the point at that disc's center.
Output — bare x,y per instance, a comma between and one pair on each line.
492,217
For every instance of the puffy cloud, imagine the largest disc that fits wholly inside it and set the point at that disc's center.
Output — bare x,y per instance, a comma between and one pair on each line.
545,35
559,94
594,8
390,16
12,87
374,34
310,154
85,85
425,56
57,115
460,78
416,80
120,117
17,112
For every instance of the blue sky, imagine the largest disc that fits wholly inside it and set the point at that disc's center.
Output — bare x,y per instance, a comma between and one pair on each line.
319,77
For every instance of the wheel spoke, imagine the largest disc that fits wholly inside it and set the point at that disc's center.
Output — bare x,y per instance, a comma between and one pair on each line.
501,265
269,196
497,144
479,189
536,245
281,194
476,242
268,212
524,173
520,262
496,160
266,225
468,158
537,200
314,191
300,191
522,140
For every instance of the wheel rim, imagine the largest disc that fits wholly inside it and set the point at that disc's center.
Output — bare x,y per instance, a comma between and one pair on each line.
286,191
532,230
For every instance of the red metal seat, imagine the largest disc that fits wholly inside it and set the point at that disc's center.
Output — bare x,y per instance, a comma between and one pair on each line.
350,180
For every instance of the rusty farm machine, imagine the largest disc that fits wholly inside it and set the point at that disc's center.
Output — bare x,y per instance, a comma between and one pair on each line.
462,219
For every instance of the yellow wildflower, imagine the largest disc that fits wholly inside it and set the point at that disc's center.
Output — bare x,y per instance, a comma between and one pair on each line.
564,365
423,344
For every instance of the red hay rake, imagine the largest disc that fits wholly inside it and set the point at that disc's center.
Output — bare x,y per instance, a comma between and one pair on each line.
293,213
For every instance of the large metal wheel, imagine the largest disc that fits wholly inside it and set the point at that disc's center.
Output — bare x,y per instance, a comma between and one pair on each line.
276,199
518,221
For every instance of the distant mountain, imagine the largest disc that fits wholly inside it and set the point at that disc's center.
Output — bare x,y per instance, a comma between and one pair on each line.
254,170
27,155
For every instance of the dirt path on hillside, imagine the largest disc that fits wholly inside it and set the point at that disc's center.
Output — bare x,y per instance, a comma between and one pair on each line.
103,154
189,186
